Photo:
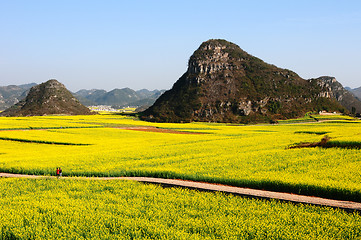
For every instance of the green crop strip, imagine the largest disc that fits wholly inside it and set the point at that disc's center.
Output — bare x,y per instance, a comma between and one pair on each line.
41,142
46,128
343,144
309,132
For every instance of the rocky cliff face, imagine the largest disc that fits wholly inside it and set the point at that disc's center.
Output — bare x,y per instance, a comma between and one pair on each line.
334,89
223,83
47,98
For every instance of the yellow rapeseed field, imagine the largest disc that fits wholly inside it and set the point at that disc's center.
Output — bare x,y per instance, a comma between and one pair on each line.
253,155
90,209
113,145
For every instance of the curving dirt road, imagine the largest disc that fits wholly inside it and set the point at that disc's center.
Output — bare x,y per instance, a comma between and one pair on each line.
247,192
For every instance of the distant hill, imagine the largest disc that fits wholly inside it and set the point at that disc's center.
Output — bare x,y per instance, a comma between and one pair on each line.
223,83
47,98
89,97
118,97
345,97
145,93
12,94
356,92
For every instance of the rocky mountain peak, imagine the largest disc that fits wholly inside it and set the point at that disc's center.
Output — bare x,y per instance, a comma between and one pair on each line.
223,83
52,83
49,91
212,56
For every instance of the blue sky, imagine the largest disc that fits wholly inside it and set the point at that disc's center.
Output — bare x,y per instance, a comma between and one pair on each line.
146,44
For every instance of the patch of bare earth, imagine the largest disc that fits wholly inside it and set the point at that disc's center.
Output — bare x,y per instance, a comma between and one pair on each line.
155,129
322,143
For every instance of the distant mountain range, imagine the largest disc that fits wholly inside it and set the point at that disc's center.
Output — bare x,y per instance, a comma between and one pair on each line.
223,83
118,97
12,94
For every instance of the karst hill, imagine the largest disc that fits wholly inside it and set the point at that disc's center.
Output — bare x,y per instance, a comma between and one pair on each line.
343,96
48,98
223,83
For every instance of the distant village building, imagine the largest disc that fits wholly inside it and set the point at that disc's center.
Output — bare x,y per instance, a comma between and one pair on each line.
104,108
327,113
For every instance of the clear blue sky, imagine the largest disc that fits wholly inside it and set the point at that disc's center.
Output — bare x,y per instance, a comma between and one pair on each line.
146,44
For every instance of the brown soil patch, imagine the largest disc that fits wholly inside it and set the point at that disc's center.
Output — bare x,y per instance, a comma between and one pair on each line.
155,129
322,143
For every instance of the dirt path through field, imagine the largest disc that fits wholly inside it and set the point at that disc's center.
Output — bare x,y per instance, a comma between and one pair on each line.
246,192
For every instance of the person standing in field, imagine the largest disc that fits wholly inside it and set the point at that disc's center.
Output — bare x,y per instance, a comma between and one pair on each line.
57,172
60,172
